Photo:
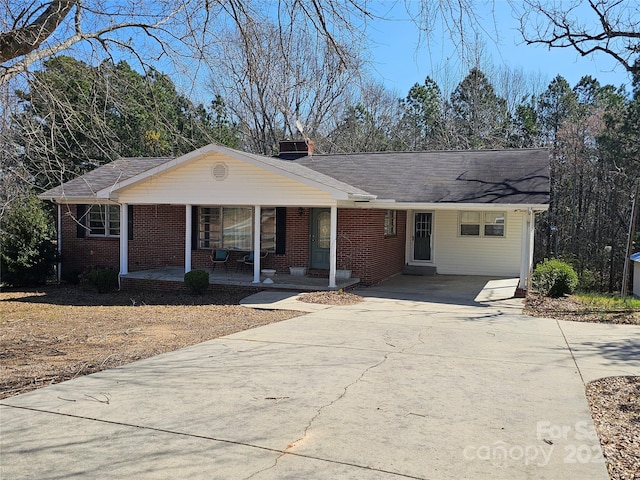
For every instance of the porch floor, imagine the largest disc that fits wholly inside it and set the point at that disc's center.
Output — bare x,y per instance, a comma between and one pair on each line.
219,277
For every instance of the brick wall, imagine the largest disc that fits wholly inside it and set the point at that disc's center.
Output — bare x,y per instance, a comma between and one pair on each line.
80,253
159,236
363,247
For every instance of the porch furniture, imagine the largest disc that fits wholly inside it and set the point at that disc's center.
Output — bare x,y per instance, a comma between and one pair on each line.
219,256
248,259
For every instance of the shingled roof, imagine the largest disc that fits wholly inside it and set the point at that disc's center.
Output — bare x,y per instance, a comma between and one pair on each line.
516,176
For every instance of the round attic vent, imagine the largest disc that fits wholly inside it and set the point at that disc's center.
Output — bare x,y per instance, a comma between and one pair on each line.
220,171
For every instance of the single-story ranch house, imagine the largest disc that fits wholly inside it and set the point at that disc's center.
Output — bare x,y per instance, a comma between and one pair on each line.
375,214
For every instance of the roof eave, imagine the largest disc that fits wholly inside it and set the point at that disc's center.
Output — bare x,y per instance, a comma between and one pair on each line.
394,205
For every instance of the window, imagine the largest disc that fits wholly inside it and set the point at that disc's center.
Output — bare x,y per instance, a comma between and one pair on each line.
494,224
268,230
232,228
486,224
104,221
470,224
390,222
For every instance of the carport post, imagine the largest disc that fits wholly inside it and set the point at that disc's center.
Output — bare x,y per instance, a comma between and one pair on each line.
124,239
333,247
187,238
526,251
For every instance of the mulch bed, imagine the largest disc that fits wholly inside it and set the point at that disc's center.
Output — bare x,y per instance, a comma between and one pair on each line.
330,298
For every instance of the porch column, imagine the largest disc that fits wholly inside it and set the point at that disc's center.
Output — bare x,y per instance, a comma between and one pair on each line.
187,238
526,251
257,220
333,247
124,239
59,267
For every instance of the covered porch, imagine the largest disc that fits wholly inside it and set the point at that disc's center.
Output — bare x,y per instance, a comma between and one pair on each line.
170,276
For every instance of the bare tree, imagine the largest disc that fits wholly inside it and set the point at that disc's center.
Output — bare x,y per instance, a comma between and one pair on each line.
611,27
176,30
272,79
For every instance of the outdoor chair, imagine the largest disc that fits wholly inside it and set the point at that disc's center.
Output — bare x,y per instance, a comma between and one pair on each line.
248,259
219,256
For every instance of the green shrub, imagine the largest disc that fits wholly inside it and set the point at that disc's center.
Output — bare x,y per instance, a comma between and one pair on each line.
104,280
28,251
588,281
554,278
197,281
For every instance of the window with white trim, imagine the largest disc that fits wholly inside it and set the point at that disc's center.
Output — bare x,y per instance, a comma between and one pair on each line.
481,224
494,224
232,228
104,220
390,217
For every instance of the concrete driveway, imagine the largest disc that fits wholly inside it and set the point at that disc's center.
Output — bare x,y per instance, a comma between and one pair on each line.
414,382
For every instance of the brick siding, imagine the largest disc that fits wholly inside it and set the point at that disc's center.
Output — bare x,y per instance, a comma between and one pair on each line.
159,236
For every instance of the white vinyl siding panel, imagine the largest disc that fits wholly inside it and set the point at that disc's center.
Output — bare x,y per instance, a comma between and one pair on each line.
194,184
460,255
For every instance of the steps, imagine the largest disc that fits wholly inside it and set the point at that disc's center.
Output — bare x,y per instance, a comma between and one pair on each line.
419,270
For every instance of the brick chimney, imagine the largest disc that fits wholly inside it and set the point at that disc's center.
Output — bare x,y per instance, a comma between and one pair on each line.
294,149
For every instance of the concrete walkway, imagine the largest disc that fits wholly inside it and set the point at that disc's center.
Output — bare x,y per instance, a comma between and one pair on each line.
410,383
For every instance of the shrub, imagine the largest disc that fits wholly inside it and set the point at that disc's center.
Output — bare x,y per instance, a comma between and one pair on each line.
197,281
28,251
104,280
554,278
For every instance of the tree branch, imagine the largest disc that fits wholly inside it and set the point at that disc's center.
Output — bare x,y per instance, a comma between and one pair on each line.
21,41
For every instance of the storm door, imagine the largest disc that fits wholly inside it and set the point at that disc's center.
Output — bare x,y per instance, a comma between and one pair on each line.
422,229
320,238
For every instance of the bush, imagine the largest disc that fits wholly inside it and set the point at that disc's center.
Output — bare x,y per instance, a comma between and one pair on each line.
104,280
197,281
554,278
28,251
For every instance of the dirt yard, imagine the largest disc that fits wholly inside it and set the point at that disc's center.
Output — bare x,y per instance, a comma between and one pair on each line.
58,333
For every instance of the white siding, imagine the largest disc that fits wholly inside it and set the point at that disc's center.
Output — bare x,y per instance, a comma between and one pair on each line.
456,255
636,279
245,184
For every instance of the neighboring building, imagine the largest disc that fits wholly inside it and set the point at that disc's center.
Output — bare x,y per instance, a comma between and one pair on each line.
635,258
454,212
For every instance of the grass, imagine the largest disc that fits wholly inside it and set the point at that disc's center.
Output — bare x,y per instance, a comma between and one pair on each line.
608,301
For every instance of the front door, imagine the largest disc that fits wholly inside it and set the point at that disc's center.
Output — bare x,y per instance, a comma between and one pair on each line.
422,228
320,238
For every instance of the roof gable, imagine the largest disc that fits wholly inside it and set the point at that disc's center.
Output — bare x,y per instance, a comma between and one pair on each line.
106,181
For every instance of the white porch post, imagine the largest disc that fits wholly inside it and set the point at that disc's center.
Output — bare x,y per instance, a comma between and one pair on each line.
124,239
59,268
187,239
526,253
257,217
333,247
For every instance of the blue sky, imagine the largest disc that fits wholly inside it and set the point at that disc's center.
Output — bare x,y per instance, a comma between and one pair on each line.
399,61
